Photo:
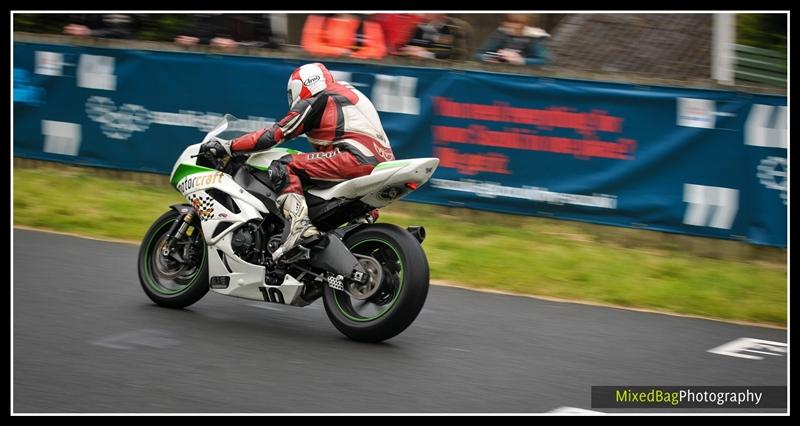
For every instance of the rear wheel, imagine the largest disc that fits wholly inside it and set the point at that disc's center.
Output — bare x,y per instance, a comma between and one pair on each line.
171,282
403,288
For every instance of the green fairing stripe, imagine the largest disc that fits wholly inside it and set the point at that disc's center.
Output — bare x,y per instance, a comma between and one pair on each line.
288,150
186,170
391,164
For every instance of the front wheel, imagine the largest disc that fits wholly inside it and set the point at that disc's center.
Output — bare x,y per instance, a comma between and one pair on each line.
175,280
403,288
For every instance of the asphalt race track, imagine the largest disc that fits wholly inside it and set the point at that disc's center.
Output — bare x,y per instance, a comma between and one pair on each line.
87,339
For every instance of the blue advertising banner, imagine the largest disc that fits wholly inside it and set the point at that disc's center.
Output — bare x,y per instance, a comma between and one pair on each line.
701,162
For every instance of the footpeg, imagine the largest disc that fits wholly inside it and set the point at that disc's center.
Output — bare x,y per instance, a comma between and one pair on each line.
301,253
312,240
303,249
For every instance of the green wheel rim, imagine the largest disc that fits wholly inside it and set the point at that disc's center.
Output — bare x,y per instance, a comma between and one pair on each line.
337,295
153,284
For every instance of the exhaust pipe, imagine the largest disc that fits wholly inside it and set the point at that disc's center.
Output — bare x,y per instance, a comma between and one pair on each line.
418,232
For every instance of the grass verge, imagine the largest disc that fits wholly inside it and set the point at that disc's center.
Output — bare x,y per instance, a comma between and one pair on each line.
570,260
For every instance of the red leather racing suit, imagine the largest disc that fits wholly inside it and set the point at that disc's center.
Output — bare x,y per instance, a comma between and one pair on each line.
341,124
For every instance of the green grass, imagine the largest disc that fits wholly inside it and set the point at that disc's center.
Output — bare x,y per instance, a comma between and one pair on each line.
570,260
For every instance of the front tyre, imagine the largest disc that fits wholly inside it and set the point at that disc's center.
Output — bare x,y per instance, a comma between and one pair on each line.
404,288
167,281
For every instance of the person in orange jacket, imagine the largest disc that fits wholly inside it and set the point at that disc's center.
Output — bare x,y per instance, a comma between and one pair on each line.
343,35
397,28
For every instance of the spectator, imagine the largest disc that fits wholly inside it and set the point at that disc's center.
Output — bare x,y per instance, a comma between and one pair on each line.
112,25
229,31
515,42
343,35
397,28
438,36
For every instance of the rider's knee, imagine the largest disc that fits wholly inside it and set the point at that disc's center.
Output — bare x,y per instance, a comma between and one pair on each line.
278,174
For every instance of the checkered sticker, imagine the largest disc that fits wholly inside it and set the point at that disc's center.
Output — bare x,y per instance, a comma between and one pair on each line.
204,205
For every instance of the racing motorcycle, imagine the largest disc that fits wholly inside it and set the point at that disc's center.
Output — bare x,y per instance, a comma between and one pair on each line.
373,278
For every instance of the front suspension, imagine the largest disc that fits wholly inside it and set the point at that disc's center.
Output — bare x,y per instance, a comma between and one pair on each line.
175,233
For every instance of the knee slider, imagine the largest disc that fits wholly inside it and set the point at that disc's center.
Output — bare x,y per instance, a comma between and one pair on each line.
278,175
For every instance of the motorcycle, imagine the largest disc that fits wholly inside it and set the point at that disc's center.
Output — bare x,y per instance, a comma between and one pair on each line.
373,278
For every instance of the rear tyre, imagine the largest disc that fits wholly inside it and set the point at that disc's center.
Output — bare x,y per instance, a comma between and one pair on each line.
404,286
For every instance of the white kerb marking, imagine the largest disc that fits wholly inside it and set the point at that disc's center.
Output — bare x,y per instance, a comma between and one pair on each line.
574,410
736,348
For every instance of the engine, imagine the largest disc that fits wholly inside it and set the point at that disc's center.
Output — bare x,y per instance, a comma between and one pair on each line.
247,243
251,240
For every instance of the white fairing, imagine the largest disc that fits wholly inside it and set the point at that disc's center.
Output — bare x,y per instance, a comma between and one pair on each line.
388,182
245,278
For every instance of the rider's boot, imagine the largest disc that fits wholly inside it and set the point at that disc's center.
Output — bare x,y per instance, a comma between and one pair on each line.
295,210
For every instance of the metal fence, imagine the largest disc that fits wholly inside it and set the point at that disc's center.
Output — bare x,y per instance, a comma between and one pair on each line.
760,66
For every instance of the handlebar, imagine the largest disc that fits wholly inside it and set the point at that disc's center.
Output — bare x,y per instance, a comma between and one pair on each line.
216,162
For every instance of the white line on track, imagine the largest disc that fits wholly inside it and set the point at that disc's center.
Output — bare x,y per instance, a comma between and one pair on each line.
574,410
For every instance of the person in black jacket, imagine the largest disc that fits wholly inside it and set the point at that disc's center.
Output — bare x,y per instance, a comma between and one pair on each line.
515,42
436,37
110,25
229,31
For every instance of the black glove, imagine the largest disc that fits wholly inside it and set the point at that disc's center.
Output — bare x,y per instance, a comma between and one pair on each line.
215,149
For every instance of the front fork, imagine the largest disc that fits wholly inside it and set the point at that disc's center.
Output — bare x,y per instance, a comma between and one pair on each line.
175,233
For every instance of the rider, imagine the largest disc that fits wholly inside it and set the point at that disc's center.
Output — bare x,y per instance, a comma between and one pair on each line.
341,124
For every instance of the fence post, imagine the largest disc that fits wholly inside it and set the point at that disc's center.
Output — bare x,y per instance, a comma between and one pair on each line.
722,53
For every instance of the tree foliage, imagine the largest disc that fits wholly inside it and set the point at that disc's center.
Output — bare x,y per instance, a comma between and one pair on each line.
764,30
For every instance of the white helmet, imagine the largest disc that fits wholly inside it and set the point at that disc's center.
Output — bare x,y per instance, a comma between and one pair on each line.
306,81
